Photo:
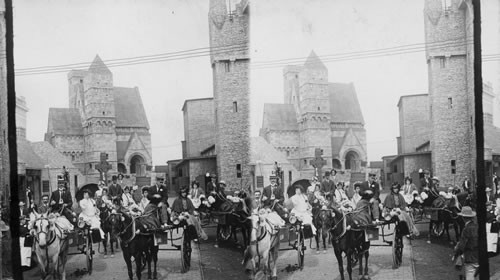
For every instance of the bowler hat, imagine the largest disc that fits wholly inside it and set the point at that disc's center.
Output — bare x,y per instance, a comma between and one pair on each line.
114,178
435,178
467,212
222,183
327,173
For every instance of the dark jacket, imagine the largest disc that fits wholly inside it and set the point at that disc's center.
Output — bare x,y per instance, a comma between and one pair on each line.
374,187
468,243
328,186
394,201
425,183
211,187
161,190
115,191
467,185
178,206
268,192
66,198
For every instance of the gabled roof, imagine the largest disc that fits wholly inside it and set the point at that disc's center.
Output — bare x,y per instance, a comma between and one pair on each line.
344,104
313,62
129,110
98,66
279,117
50,155
64,121
28,156
263,152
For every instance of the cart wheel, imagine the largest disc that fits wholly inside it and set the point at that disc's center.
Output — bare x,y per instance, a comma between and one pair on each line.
89,253
225,232
300,249
438,228
185,253
397,250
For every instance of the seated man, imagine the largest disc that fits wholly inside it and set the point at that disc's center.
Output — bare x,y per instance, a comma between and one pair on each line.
301,208
183,208
90,213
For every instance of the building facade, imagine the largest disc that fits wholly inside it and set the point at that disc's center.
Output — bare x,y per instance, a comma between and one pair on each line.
230,59
102,118
451,87
317,114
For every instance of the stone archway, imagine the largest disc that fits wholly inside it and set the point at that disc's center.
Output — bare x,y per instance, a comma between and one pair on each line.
136,162
352,161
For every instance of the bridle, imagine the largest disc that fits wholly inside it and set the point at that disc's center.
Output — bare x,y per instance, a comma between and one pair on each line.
51,239
259,238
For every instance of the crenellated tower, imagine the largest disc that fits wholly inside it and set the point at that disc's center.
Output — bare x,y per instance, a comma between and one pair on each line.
229,42
449,53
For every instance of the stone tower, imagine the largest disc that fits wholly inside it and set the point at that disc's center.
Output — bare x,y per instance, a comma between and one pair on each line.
229,42
97,109
449,53
314,114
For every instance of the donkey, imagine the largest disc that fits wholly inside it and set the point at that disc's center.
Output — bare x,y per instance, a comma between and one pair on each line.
51,245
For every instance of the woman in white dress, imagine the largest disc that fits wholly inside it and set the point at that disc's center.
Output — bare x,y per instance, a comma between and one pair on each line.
128,201
89,213
302,208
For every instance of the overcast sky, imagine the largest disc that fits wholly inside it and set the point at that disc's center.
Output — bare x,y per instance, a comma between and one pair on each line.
289,29
59,32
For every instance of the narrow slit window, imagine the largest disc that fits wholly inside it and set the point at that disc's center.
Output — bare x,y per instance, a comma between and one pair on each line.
235,106
238,170
442,62
226,66
450,103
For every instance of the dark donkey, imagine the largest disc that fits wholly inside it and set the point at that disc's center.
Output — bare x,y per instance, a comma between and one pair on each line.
349,241
139,246
323,222
447,214
109,223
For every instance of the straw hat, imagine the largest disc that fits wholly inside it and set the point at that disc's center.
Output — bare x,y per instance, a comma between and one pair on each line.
467,212
3,226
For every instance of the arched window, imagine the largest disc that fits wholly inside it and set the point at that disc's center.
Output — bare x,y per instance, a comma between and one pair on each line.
121,168
135,165
336,164
351,161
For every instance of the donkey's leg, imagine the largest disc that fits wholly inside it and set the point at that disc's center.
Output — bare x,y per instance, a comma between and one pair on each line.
217,232
105,245
317,238
367,254
430,231
338,254
155,261
111,240
324,234
138,265
126,257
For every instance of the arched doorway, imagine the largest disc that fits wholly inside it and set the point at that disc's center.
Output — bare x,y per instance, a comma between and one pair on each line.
122,168
336,164
351,161
135,165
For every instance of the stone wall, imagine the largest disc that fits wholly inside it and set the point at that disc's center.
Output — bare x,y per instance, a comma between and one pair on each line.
199,126
4,148
415,126
230,80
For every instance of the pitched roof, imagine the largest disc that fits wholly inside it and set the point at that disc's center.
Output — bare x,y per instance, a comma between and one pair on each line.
263,152
50,155
344,104
129,110
279,117
313,62
26,154
64,121
98,66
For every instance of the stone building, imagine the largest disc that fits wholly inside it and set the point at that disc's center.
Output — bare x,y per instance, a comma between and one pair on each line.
451,87
198,147
317,114
4,145
101,118
230,60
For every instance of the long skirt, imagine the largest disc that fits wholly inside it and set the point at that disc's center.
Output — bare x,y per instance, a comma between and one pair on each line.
306,219
93,221
25,253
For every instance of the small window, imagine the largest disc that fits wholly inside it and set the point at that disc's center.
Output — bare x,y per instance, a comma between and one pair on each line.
238,170
73,157
227,67
90,165
395,169
103,113
305,161
450,103
442,62
81,81
287,153
235,107
319,108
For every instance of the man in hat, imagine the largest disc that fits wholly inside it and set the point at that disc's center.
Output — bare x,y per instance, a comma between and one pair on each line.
468,243
425,182
161,189
328,186
220,190
271,193
372,186
212,184
60,198
44,205
115,190
467,185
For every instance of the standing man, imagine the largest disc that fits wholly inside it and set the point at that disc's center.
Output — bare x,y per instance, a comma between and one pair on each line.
328,186
374,188
468,243
212,185
271,193
425,182
161,189
115,190
467,185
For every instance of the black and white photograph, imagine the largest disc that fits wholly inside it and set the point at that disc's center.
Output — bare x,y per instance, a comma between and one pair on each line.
237,139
